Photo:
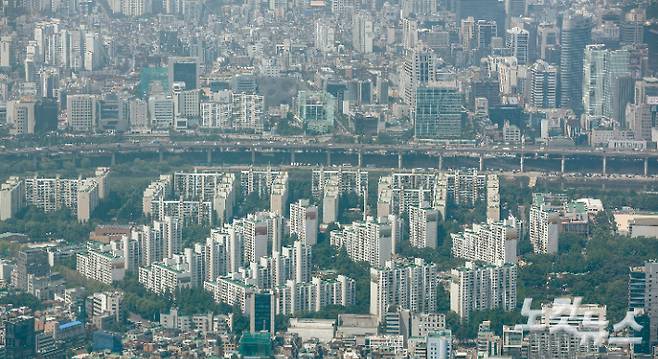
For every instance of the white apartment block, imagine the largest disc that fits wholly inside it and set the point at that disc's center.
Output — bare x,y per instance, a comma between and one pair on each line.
304,221
12,197
230,290
197,197
372,241
303,297
258,180
583,318
101,264
552,214
348,180
330,201
87,200
411,285
488,242
279,194
493,198
292,263
234,111
79,195
258,231
423,227
401,190
173,273
476,288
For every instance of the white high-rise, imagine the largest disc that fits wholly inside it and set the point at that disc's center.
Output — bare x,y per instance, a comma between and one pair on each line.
543,85
82,112
423,227
362,32
544,221
304,221
161,111
372,241
517,41
491,242
412,285
476,288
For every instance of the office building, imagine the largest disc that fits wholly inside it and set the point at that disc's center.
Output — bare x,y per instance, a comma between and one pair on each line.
108,304
184,69
517,40
19,338
439,344
21,116
372,241
362,33
438,111
325,36
315,111
514,8
485,31
418,69
261,312
29,262
487,287
161,112
492,242
409,284
304,221
543,85
423,227
575,35
82,112
7,51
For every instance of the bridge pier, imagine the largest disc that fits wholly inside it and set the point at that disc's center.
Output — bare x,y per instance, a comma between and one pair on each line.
161,155
292,157
440,162
522,164
328,158
35,161
481,163
400,160
253,156
113,160
563,160
605,165
209,156
646,167
360,158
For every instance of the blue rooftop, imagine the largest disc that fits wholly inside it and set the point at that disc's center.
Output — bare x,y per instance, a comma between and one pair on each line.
69,324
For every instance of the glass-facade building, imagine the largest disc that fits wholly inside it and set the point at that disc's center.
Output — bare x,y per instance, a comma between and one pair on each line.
438,112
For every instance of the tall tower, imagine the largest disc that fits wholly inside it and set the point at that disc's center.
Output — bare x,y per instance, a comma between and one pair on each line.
593,79
576,34
417,69
517,40
362,33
